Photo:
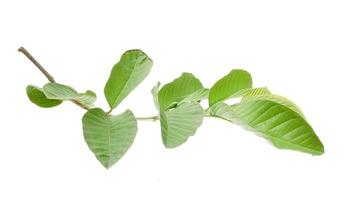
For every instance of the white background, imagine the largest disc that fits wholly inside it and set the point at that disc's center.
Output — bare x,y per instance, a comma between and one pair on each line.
296,48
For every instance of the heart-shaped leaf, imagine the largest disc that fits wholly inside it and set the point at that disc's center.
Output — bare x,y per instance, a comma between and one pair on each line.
180,112
109,137
280,123
37,97
126,75
178,124
64,92
234,84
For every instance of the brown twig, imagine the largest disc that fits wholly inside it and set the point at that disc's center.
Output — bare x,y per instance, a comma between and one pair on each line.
45,72
37,64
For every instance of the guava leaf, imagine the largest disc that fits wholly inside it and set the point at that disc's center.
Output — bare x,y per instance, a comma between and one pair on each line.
109,137
234,84
64,92
178,89
178,124
126,75
281,124
37,97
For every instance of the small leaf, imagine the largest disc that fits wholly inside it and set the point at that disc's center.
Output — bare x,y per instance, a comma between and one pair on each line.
109,137
63,92
178,89
126,75
197,96
37,97
233,84
154,92
178,124
283,126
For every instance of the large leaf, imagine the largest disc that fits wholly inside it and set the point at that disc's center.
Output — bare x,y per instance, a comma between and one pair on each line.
178,89
276,98
178,124
37,97
233,84
109,137
64,92
126,75
283,126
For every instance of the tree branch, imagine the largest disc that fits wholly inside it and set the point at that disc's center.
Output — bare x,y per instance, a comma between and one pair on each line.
37,64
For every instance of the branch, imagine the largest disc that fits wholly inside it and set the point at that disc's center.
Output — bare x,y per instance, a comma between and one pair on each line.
37,64
44,72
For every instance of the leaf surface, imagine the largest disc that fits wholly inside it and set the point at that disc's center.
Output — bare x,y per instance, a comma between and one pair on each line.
37,97
126,75
178,89
64,92
233,84
279,123
109,137
178,124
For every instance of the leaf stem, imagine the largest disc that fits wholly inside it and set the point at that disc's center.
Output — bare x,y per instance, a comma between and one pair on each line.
45,72
151,118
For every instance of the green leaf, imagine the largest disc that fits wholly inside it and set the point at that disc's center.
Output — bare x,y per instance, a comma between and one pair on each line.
283,101
256,92
178,89
154,92
197,96
280,124
233,84
221,110
63,92
37,97
126,75
109,137
178,124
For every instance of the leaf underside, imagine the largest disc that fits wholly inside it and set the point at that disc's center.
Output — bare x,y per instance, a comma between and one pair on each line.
126,75
178,124
64,92
109,137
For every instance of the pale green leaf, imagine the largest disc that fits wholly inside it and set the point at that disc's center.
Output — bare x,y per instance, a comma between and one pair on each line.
221,110
154,92
64,92
178,124
256,92
178,89
196,96
109,137
280,124
126,75
234,84
37,97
